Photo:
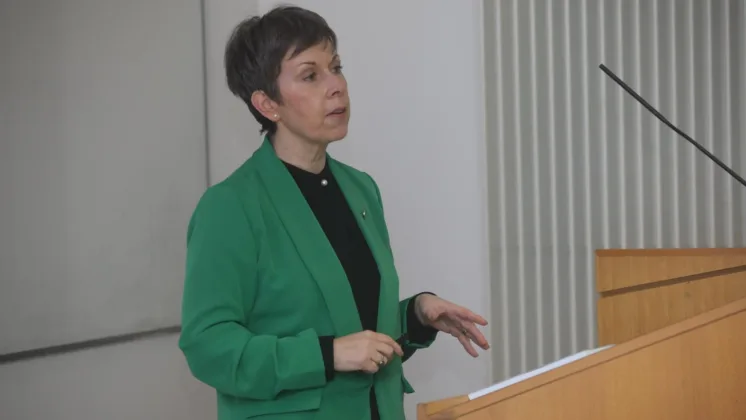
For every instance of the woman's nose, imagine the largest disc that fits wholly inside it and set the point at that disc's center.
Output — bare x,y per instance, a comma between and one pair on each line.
337,85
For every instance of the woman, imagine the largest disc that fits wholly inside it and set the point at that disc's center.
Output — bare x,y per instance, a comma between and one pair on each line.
291,301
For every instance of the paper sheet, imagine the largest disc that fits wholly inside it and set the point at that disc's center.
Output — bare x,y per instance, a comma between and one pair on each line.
535,372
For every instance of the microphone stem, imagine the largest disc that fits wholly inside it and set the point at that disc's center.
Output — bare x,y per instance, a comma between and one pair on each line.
673,127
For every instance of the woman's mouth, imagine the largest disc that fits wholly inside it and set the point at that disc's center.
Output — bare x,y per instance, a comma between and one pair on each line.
338,111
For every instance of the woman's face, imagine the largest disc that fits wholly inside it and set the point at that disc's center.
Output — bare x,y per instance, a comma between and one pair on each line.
315,105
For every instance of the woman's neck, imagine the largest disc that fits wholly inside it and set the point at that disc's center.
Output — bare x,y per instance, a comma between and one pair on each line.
300,153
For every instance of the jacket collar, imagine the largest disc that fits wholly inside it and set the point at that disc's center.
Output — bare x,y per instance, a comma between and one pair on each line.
310,240
316,251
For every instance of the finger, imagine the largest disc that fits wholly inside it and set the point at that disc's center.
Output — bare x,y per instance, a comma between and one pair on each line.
464,340
385,339
467,315
385,350
472,332
463,335
466,326
370,366
451,326
378,359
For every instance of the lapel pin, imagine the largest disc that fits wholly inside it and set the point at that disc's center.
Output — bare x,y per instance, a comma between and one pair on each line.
364,213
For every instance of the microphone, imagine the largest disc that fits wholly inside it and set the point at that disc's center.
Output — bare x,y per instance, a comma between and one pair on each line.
673,127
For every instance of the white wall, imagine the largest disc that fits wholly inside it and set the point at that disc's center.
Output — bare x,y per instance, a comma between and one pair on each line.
231,129
102,159
137,380
414,70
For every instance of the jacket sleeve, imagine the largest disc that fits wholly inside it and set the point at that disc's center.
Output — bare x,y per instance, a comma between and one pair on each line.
219,290
417,336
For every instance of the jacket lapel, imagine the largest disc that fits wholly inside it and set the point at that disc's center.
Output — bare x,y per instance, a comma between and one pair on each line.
310,241
365,213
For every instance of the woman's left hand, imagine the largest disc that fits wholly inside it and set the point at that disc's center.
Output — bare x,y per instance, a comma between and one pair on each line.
453,319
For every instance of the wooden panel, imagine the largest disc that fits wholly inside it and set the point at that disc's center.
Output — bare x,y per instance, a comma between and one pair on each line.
618,269
693,370
622,317
642,290
426,410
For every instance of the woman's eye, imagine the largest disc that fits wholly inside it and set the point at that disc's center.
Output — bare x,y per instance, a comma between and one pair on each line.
310,77
338,69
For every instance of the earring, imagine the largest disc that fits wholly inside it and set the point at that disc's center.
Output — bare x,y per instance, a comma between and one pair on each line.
277,117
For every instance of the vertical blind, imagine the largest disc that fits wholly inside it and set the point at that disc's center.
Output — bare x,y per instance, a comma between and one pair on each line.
576,164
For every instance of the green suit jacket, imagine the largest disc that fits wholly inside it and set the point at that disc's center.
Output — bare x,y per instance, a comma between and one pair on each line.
263,283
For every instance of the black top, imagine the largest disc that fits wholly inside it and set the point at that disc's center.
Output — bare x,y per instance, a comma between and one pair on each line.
329,205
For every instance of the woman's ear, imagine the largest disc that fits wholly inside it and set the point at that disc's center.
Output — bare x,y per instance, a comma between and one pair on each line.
265,105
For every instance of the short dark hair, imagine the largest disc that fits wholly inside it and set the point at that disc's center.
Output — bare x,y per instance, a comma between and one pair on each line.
257,46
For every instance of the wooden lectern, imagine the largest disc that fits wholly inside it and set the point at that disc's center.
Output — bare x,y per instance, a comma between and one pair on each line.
677,319
643,290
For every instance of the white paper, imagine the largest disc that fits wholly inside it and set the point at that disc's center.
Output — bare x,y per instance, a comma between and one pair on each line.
535,372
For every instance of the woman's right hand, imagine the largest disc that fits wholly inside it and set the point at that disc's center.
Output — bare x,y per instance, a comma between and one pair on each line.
366,351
